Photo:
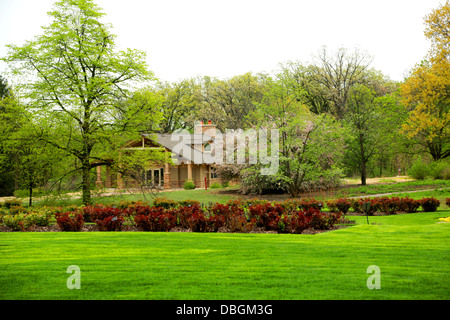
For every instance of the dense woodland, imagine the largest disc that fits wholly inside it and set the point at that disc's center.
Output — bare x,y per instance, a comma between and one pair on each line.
70,101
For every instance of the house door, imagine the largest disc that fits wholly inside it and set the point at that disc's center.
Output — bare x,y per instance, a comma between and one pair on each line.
154,177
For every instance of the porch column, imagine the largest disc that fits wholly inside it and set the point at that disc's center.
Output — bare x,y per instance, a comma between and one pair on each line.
119,181
99,182
166,176
108,177
189,168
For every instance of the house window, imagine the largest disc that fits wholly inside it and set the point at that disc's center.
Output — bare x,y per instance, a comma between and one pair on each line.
213,174
207,147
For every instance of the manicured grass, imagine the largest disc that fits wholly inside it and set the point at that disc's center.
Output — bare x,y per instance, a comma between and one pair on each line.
411,250
393,186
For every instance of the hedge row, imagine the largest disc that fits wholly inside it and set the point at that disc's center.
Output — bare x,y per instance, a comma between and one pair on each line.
197,218
292,216
384,204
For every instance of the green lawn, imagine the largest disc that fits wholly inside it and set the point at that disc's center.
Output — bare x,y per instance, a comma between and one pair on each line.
411,250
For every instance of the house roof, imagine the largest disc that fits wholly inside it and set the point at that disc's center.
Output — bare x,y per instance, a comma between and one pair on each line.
190,153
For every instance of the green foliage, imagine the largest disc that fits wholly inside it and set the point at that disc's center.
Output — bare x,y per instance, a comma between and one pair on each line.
189,185
215,185
163,202
78,87
440,170
419,170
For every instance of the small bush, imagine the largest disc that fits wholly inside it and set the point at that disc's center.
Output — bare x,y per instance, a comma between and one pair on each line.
70,221
357,205
12,203
185,203
107,218
155,219
409,205
39,219
111,223
17,222
13,210
296,222
339,205
321,220
266,215
419,170
429,204
189,185
389,205
307,204
215,185
164,203
440,170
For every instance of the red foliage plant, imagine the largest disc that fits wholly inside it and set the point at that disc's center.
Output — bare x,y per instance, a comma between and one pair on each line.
69,221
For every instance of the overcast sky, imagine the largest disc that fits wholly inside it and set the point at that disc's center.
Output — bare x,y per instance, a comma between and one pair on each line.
225,38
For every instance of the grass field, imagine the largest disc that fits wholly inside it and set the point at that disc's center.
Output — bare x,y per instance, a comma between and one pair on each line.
411,250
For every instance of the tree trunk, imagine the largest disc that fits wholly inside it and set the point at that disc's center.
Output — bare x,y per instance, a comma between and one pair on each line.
30,201
363,173
86,167
363,160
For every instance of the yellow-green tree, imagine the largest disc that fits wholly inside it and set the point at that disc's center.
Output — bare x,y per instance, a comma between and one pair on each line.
426,92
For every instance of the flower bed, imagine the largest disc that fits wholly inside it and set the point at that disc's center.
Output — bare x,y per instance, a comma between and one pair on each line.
290,216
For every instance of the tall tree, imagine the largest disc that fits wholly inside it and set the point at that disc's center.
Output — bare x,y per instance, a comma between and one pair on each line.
338,73
310,146
72,78
426,92
179,104
371,122
229,102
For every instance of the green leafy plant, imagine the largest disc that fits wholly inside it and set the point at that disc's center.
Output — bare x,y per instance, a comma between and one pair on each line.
189,185
419,170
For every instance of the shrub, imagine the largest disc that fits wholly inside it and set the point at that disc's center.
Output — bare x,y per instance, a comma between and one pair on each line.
191,217
296,222
164,203
321,220
266,215
447,202
307,204
185,203
429,204
12,203
155,219
357,205
70,221
389,205
419,170
39,219
440,170
232,216
408,205
240,223
111,223
106,218
189,185
138,208
17,222
13,210
215,185
339,205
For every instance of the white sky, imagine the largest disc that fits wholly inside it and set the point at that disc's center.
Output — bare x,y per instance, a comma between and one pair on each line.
225,38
